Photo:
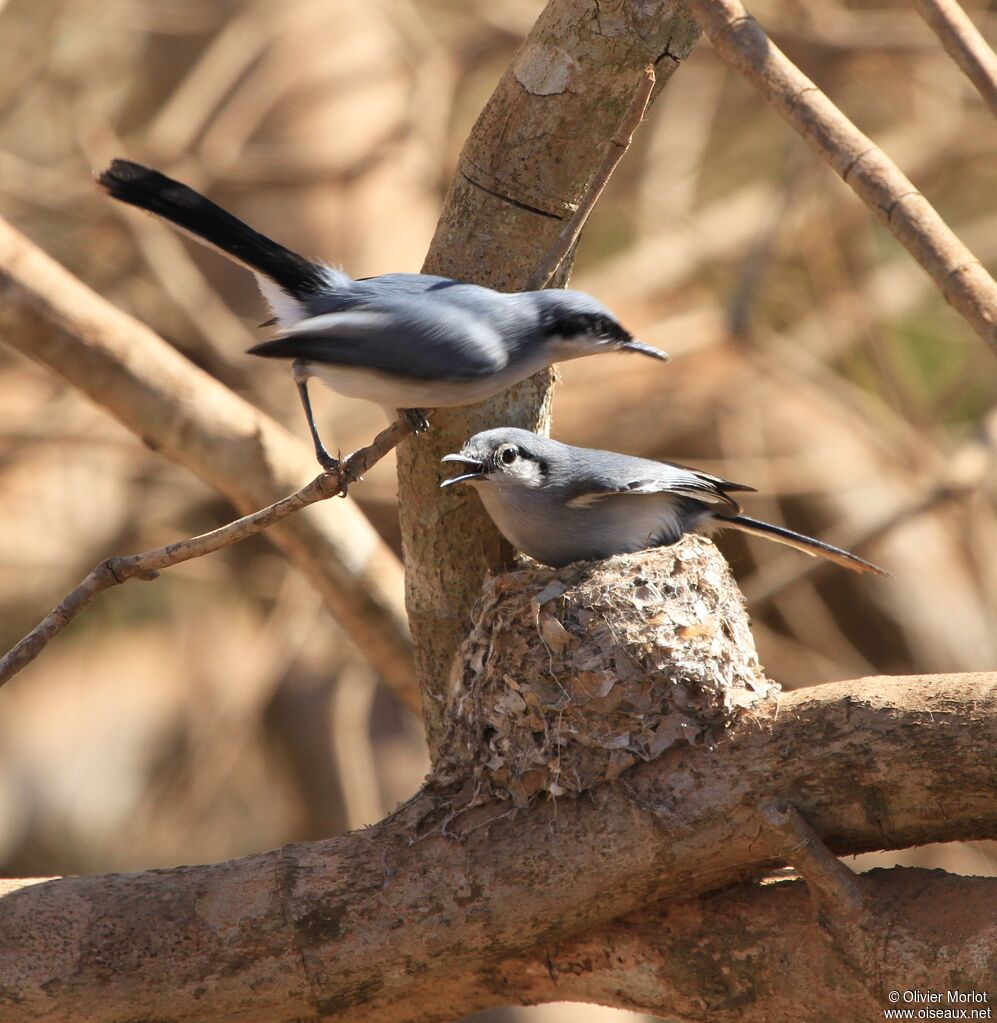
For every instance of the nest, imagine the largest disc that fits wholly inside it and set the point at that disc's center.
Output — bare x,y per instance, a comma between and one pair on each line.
570,677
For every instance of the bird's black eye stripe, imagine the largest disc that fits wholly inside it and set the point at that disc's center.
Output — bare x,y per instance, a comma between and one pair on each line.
595,324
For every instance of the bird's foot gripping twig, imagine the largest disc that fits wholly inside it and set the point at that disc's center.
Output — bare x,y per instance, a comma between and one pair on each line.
329,463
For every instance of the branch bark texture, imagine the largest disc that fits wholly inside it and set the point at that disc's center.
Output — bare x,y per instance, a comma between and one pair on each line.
739,40
755,954
192,419
366,926
525,167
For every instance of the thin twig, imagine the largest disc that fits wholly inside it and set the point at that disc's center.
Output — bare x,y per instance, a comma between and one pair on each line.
740,41
190,418
618,145
964,43
840,901
147,565
829,880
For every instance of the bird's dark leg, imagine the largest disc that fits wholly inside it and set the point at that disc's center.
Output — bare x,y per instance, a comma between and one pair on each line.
416,418
301,376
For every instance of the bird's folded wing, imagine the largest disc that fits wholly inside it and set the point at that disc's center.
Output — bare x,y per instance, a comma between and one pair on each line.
415,339
665,479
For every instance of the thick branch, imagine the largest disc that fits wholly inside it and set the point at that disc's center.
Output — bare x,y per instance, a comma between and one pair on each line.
875,179
752,954
527,164
147,565
618,145
356,927
192,419
964,44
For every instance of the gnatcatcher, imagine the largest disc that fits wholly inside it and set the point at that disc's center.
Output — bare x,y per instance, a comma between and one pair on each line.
405,341
559,503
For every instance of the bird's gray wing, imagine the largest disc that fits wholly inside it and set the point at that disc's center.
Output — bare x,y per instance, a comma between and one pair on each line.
635,476
413,337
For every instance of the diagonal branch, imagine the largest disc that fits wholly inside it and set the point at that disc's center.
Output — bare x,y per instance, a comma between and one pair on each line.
739,40
193,420
842,903
147,565
964,43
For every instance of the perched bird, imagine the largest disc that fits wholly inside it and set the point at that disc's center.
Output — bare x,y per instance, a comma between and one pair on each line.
405,341
559,503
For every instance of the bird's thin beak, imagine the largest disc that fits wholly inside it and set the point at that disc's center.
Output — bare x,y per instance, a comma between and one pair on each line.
639,346
472,463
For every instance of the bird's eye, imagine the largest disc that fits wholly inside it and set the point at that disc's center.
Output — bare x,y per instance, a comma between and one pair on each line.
508,455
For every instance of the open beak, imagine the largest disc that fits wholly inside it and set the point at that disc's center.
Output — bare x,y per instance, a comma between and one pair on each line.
475,464
639,346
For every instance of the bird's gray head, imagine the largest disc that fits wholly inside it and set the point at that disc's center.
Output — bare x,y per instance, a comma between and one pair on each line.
505,458
575,324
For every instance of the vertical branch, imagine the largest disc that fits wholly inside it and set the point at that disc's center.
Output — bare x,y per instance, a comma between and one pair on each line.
618,145
526,165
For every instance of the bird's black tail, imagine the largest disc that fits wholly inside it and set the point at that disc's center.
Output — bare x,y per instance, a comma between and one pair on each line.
208,223
815,548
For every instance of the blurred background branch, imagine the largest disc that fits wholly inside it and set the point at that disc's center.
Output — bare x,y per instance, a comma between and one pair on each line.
147,565
184,414
889,193
964,44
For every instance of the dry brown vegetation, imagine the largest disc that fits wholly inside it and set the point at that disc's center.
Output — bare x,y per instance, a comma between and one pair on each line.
220,710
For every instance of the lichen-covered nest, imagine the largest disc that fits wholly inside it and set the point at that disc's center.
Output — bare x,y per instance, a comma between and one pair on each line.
569,677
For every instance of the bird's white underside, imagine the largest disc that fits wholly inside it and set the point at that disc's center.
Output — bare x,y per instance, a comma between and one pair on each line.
393,391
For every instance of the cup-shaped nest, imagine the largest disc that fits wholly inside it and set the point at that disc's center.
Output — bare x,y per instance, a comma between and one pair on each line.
571,676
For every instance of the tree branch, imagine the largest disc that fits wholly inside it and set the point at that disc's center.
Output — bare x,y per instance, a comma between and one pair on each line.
618,145
739,40
117,570
362,926
751,954
964,43
192,419
840,900
831,883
